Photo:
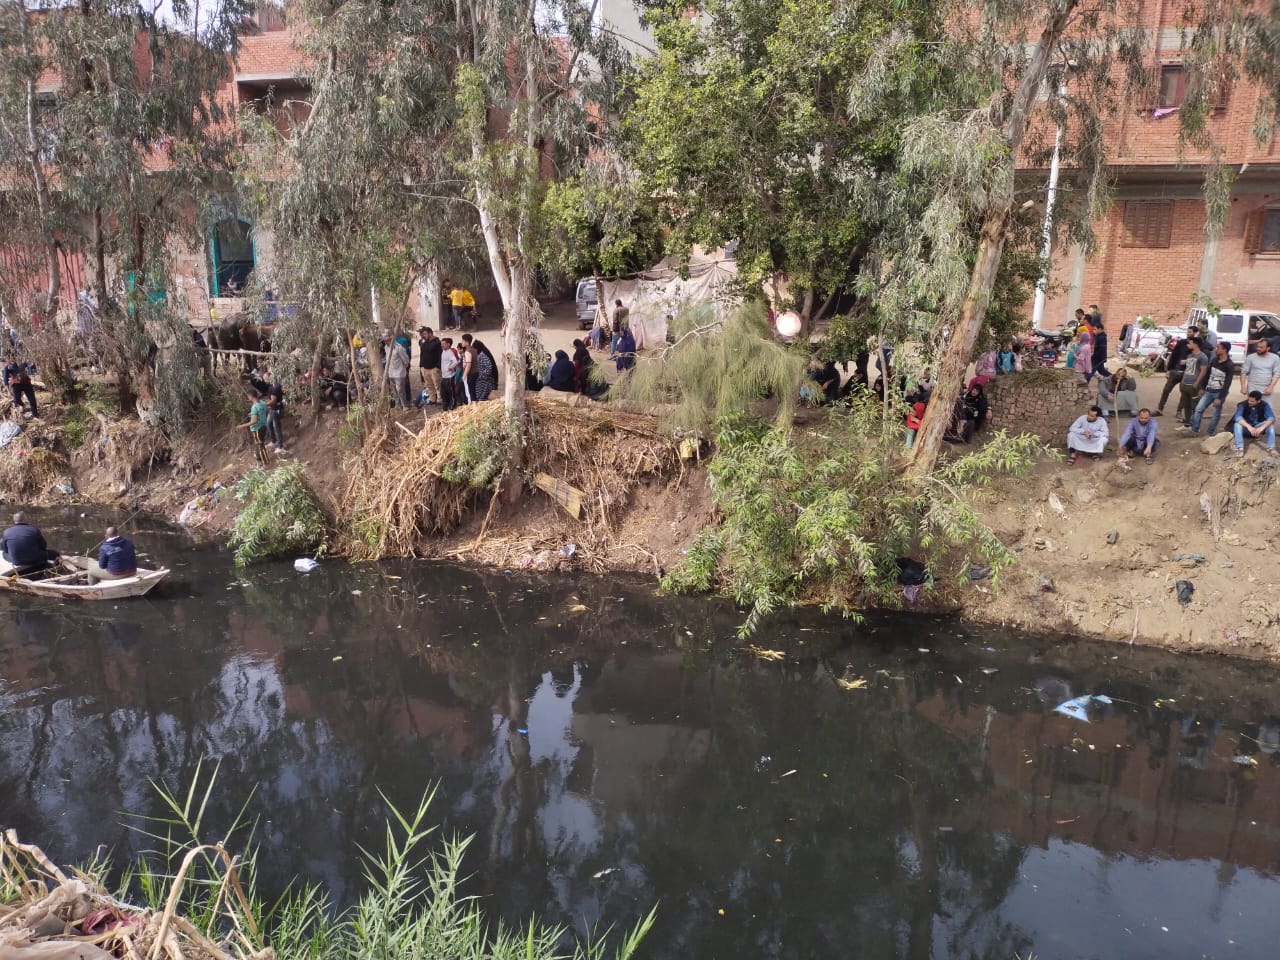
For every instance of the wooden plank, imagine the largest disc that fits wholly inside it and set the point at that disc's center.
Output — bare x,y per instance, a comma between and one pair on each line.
562,493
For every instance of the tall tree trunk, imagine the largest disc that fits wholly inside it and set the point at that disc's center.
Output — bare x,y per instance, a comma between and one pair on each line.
99,242
515,331
53,284
806,317
992,236
955,361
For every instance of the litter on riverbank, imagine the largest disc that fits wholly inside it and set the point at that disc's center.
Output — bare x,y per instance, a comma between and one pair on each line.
47,915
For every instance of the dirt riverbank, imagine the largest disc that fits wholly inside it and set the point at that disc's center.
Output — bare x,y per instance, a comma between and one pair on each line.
1101,546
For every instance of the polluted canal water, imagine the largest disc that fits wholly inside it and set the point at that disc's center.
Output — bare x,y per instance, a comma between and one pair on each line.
902,787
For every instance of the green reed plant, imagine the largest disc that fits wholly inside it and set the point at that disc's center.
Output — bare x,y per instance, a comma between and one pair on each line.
411,909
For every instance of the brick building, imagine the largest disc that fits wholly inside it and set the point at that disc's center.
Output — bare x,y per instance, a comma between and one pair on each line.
1153,255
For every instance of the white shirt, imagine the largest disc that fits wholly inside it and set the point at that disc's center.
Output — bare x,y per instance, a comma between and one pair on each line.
448,362
1088,437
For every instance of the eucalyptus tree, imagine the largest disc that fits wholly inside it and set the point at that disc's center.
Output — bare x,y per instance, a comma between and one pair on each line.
535,81
433,130
1024,71
109,128
339,174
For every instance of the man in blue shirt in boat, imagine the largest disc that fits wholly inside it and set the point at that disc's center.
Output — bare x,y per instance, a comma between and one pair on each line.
117,560
23,546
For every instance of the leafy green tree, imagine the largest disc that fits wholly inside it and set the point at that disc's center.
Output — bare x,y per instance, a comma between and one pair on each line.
433,124
744,124
823,517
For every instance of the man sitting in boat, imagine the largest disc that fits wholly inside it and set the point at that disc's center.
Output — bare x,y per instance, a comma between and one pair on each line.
24,547
117,560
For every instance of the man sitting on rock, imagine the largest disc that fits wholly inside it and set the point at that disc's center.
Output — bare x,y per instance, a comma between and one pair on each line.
1254,419
1088,434
1139,437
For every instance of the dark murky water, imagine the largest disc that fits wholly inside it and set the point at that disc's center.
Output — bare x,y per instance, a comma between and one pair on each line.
622,756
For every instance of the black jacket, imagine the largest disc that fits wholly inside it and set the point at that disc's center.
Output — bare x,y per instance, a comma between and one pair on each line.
561,375
429,353
23,544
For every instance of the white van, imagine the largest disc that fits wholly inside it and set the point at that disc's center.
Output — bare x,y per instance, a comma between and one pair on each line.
1236,327
586,302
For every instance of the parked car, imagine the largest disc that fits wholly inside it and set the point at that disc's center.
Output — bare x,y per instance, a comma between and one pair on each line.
1236,326
587,302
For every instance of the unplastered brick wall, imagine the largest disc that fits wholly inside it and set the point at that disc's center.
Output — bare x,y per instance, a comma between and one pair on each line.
1043,402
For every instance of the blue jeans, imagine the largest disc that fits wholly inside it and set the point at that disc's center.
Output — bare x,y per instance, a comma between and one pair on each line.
1270,435
1215,397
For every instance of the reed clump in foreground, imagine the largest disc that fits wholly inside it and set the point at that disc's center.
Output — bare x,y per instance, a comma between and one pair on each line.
202,904
410,487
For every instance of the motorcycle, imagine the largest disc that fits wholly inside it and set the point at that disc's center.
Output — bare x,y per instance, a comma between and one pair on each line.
1056,338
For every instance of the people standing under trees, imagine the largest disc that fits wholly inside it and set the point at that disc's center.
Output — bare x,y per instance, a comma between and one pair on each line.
1099,345
625,356
1007,359
257,425
451,394
1260,371
429,353
1217,385
470,373
1084,352
273,394
486,371
17,377
1175,367
397,371
462,304
1194,374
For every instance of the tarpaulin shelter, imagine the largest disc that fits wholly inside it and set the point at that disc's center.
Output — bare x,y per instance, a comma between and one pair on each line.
659,293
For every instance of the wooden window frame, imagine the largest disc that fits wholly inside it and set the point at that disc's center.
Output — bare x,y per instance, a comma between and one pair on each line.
1255,231
1217,109
1180,90
1147,224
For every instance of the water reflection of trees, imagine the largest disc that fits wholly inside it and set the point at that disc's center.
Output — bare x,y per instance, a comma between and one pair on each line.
642,759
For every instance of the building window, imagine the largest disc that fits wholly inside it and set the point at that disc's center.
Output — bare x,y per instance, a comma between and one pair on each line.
1262,231
233,258
1173,86
1147,223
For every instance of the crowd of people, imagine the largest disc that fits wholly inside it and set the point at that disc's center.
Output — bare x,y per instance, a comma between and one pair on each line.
451,372
1200,369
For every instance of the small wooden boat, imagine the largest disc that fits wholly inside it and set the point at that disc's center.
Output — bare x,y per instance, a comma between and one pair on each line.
69,580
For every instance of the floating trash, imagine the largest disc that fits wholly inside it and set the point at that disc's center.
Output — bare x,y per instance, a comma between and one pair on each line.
1077,708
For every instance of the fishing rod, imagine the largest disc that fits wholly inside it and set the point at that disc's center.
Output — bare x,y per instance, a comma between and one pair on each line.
123,523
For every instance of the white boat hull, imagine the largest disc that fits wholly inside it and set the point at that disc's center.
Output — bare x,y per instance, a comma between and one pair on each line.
69,581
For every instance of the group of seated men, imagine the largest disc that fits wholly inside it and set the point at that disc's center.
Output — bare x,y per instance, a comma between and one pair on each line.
1253,419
